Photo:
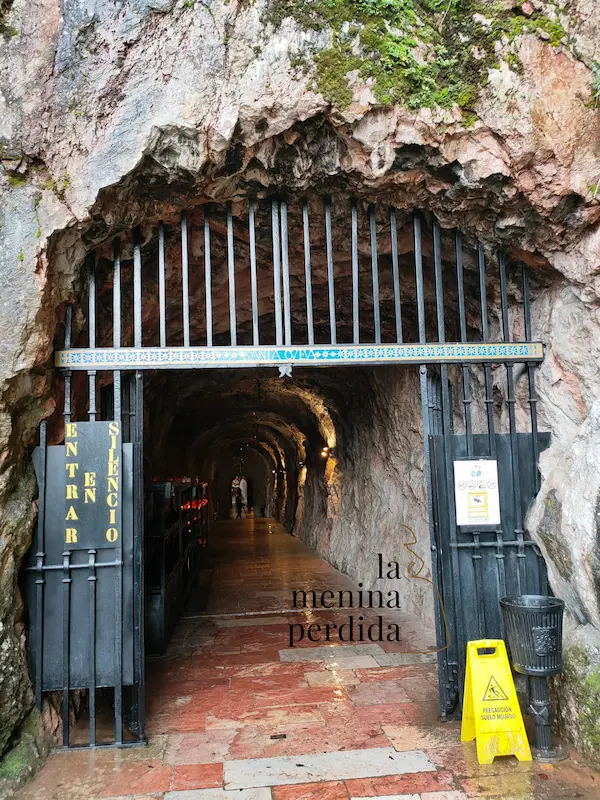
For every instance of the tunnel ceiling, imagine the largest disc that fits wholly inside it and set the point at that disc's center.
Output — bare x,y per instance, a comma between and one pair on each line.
192,415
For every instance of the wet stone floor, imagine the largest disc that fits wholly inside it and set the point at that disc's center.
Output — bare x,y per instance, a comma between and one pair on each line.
234,712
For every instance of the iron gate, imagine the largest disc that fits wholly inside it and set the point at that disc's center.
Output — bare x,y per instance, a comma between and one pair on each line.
285,309
476,565
86,637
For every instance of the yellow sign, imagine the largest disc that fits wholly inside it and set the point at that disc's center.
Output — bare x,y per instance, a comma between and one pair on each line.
94,484
491,712
477,504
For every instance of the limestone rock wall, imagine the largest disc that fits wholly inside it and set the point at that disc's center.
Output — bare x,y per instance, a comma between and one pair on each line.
376,487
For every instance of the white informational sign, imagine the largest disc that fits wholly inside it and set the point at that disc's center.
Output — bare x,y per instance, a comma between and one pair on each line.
476,492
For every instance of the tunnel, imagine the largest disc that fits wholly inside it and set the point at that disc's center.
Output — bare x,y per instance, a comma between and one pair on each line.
304,475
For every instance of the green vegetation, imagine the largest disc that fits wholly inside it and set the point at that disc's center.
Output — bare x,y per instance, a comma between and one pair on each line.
17,180
36,207
24,756
596,83
583,681
58,187
420,53
8,31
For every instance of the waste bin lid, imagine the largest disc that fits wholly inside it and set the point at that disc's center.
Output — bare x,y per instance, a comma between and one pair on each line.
533,602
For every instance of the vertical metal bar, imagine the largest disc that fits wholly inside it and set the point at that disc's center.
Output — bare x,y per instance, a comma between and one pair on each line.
355,287
441,637
162,299
489,405
137,287
535,446
419,278
116,293
487,369
231,275
375,275
439,290
39,561
396,274
92,299
137,334
68,322
92,643
185,279
480,598
447,421
476,555
138,547
92,553
277,272
330,279
92,395
253,277
208,279
286,272
66,642
307,274
514,444
118,671
92,332
423,379
463,337
66,579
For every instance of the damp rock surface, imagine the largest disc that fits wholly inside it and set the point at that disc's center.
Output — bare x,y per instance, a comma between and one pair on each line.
114,115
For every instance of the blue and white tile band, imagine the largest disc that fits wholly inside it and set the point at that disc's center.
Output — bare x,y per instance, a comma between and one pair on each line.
296,355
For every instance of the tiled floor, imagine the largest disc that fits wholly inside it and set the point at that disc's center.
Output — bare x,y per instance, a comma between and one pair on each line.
235,712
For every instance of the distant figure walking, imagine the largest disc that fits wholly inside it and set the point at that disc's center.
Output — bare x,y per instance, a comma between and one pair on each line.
244,491
238,504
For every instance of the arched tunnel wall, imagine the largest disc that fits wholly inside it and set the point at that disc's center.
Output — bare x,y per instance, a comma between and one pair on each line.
376,485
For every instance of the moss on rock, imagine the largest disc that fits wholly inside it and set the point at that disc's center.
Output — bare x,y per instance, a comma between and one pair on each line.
418,53
28,750
577,692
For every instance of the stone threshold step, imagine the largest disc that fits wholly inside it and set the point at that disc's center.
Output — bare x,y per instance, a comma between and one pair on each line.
264,793
342,765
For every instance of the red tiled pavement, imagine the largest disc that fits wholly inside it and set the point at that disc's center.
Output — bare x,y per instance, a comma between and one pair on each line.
328,790
222,692
197,776
402,784
151,776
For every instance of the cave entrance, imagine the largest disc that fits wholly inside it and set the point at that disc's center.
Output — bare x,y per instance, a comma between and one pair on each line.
264,295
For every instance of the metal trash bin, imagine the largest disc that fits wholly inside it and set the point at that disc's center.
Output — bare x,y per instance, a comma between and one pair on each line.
533,626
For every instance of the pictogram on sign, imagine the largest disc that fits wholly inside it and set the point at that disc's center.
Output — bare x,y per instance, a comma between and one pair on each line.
493,691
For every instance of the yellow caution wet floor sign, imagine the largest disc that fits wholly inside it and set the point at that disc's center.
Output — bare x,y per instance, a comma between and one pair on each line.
491,712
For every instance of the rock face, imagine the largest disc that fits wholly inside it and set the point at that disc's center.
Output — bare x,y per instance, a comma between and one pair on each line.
121,114
377,488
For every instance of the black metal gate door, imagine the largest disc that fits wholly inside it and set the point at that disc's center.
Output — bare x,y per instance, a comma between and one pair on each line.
85,585
478,565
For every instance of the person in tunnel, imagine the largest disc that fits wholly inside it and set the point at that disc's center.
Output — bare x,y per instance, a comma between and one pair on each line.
244,491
